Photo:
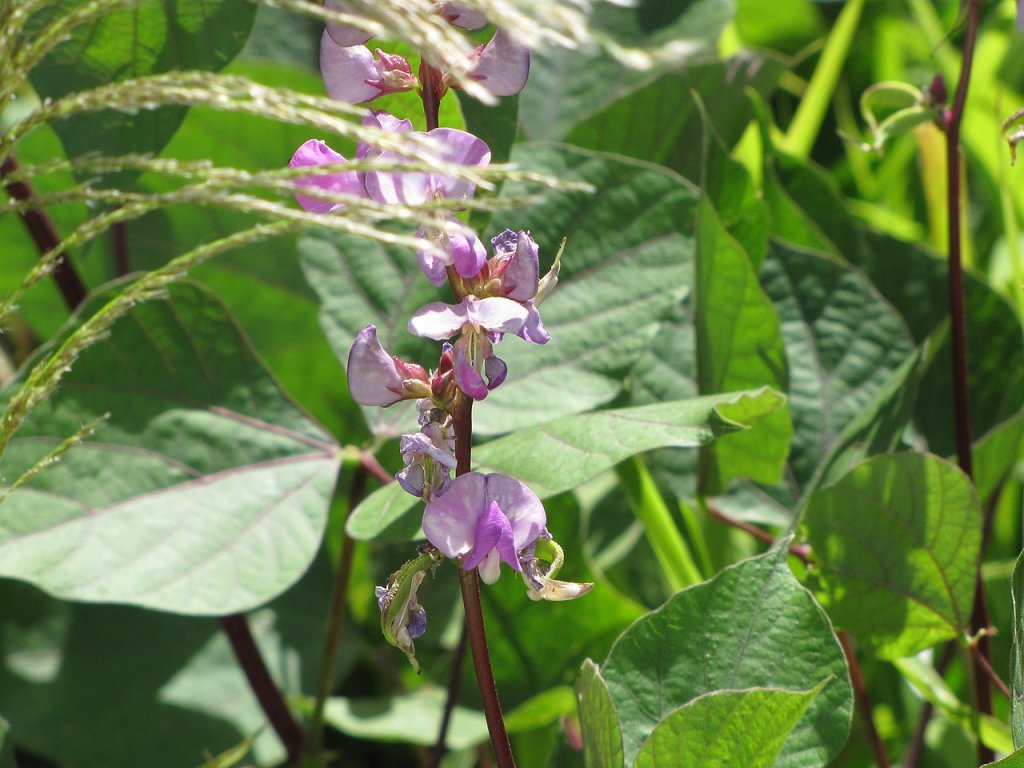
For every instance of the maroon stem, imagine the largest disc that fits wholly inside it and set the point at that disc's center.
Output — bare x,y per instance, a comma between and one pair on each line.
40,227
860,691
462,421
430,94
249,659
952,121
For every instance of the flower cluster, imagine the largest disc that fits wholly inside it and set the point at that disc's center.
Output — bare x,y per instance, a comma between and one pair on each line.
478,520
352,74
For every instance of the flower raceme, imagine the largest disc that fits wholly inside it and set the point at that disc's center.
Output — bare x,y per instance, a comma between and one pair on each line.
351,73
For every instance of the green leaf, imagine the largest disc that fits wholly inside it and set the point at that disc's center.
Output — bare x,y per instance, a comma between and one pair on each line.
897,541
723,728
205,492
496,125
412,717
141,38
625,268
739,345
562,454
169,686
543,709
752,626
6,746
1017,655
661,122
1016,760
843,343
584,81
602,736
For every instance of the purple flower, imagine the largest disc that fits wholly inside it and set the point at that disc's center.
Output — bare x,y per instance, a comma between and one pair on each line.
352,74
461,249
429,457
313,153
485,520
377,378
502,66
481,323
413,187
344,34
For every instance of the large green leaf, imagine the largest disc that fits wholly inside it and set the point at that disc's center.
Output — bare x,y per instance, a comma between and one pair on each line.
168,686
739,345
206,491
1016,760
1017,656
723,728
752,626
562,454
143,37
599,725
843,342
582,82
626,266
897,542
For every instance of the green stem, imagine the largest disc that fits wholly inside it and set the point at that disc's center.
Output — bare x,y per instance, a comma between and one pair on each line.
674,556
807,122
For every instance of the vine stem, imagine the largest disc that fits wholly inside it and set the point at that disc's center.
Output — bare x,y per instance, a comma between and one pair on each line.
864,701
458,658
236,627
951,124
462,421
44,234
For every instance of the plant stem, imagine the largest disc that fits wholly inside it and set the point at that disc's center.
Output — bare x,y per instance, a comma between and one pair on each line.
860,691
40,227
431,98
270,699
961,394
458,658
335,618
916,746
462,421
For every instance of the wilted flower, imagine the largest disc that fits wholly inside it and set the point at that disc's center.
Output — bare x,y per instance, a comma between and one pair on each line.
429,457
484,520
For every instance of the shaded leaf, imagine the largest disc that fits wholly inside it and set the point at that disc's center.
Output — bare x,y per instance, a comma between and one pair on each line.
141,38
897,541
205,492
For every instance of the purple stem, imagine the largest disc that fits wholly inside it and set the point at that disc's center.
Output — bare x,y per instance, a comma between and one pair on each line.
458,658
860,691
40,227
249,659
961,393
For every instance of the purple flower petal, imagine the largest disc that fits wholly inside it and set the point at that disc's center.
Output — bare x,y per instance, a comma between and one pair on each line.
493,531
468,253
523,271
460,16
315,152
495,370
344,34
503,66
495,313
349,72
438,320
533,329
412,479
459,147
433,265
449,522
373,377
421,443
520,505
467,376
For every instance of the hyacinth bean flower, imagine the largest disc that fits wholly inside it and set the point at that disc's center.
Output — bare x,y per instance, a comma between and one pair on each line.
515,269
459,246
502,66
481,323
313,153
429,457
377,378
485,520
352,74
